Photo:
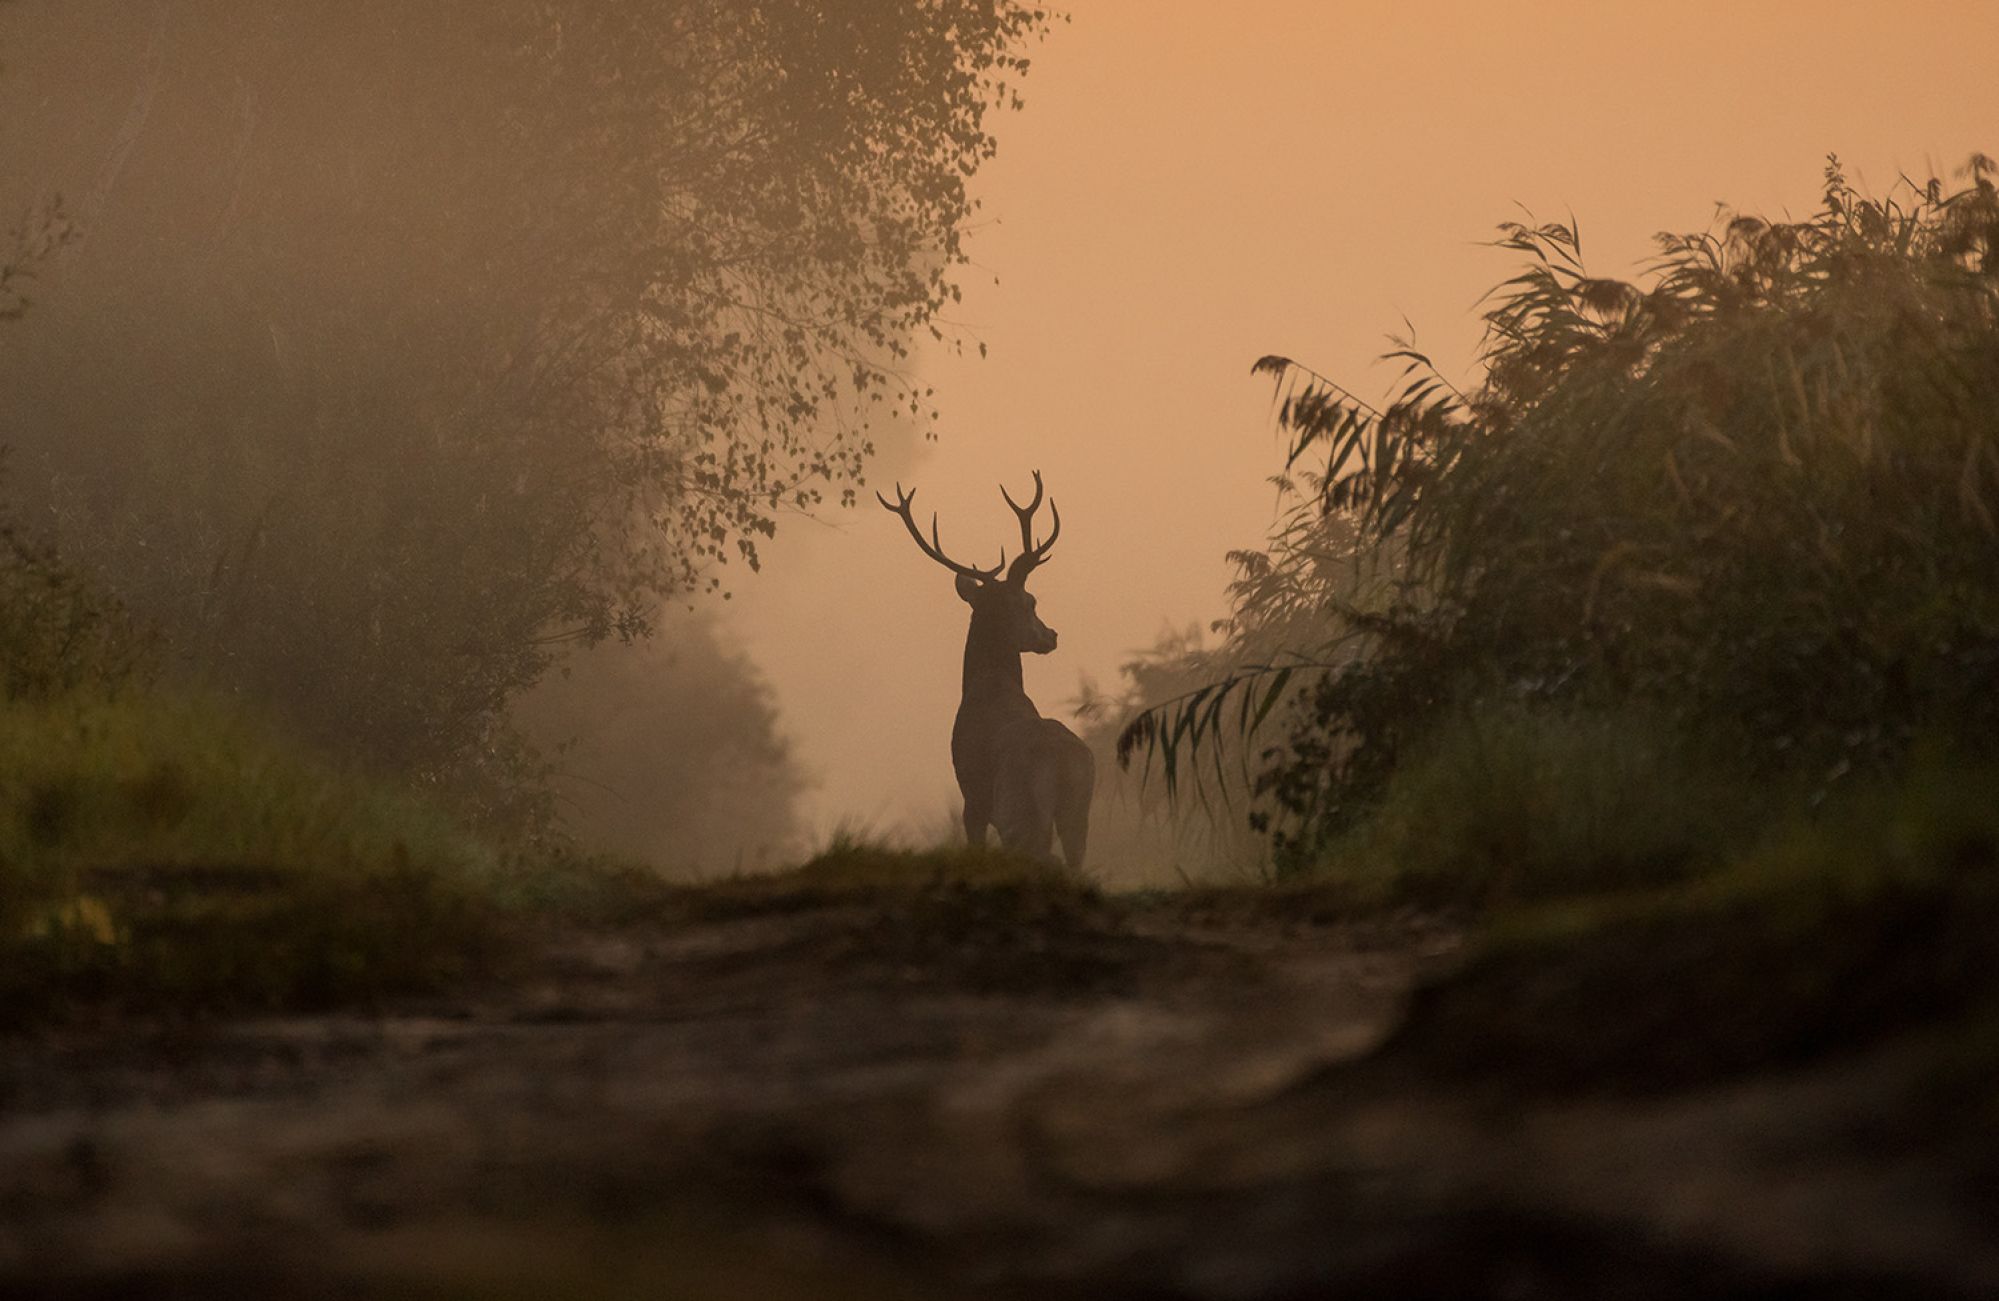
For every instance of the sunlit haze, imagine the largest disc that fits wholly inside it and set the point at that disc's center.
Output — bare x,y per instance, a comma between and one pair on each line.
1193,186
492,806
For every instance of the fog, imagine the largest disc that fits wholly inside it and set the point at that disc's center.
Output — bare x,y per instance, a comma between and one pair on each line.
666,752
1186,189
484,782
383,360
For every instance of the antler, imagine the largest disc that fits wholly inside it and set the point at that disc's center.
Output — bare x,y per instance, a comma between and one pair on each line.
1031,552
934,548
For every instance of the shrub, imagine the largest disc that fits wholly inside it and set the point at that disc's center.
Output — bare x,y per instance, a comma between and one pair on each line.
1758,495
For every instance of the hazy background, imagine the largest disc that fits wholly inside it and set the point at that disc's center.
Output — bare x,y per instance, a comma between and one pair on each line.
1192,186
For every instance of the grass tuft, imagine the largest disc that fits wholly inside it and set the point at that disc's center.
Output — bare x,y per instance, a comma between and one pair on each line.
162,852
848,863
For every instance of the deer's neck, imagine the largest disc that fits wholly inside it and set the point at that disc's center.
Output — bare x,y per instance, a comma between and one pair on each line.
992,671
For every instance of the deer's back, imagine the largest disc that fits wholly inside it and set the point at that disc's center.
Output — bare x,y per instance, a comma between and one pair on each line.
1012,737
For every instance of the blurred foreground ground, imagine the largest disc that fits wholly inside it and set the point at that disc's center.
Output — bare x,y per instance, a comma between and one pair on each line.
945,1093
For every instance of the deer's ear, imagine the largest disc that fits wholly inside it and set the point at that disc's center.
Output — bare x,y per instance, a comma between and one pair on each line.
968,587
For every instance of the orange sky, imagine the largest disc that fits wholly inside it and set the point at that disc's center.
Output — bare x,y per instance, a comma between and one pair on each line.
1194,185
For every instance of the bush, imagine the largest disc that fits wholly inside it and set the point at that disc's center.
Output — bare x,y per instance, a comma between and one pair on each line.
1758,495
668,752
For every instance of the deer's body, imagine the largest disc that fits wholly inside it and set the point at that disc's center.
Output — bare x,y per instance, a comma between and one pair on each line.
1027,776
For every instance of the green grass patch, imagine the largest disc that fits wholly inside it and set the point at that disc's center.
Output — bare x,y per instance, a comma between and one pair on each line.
173,853
1832,935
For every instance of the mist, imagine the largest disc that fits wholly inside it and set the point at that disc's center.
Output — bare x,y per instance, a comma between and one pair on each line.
929,648
379,359
341,238
669,752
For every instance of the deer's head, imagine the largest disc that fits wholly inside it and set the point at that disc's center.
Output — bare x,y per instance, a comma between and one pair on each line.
1002,607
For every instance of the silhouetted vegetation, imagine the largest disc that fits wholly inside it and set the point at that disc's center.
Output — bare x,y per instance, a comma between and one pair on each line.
1667,649
1737,525
42,232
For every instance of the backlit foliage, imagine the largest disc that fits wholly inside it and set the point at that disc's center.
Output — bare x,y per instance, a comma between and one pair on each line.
405,344
1755,494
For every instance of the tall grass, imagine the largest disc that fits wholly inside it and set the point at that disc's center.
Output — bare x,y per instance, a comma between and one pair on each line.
1506,805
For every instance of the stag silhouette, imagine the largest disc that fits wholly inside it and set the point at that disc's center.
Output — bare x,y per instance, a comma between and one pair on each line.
1027,776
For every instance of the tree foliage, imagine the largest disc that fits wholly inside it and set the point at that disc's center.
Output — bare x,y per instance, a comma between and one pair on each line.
1759,493
406,344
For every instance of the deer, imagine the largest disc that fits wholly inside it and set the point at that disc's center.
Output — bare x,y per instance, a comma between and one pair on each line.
1027,776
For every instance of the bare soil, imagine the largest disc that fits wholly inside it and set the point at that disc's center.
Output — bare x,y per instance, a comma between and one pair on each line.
947,1093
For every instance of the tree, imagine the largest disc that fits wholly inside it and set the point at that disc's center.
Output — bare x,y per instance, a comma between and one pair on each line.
407,345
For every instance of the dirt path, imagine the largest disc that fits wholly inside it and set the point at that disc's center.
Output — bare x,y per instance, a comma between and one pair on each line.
931,1095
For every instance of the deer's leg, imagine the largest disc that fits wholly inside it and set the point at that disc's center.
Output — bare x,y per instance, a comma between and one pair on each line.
1024,811
1072,814
1073,826
977,816
1030,837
